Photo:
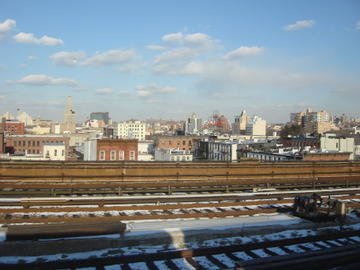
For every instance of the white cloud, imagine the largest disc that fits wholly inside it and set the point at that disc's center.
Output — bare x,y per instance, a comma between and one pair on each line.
104,91
358,25
153,89
42,80
32,58
173,39
6,27
144,93
243,51
111,57
184,60
299,25
124,92
44,40
68,58
155,48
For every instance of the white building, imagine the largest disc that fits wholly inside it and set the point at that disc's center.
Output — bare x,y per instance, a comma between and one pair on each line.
54,151
131,130
256,126
146,151
90,153
25,118
173,155
193,125
331,142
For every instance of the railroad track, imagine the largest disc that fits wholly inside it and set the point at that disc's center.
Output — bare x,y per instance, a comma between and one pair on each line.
325,251
50,187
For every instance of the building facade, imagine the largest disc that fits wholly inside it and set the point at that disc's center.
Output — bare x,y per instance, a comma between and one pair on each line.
69,125
240,122
30,144
331,142
131,130
256,126
111,150
54,151
216,150
175,155
12,127
176,142
193,125
104,116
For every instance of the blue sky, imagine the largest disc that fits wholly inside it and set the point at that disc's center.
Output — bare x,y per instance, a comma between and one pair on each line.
167,59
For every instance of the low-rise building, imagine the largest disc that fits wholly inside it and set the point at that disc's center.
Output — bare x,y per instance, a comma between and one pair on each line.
216,150
146,150
12,127
111,150
262,156
173,155
33,144
331,142
176,142
54,151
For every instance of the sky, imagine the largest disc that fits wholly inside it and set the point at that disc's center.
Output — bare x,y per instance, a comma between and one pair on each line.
167,59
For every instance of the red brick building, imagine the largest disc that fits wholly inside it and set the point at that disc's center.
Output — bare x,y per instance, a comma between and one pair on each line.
117,149
176,142
327,156
12,127
2,144
33,144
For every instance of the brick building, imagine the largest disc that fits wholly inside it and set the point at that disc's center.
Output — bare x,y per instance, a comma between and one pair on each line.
12,127
2,144
111,149
176,142
301,142
30,144
327,156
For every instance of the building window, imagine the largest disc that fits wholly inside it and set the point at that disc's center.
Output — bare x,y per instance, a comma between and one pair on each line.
121,155
132,155
15,143
62,152
55,152
38,143
102,155
112,155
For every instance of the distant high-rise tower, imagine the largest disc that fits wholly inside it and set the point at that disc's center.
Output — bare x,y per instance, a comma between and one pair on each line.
239,126
193,124
69,117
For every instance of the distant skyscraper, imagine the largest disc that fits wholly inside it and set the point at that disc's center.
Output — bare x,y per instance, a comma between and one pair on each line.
256,127
104,116
69,117
239,126
193,124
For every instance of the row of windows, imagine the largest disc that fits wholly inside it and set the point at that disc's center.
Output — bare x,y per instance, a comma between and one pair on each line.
31,151
121,155
32,143
55,153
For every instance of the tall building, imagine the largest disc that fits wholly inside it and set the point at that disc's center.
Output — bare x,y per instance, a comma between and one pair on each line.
239,125
25,118
133,129
256,126
193,124
104,116
69,125
313,122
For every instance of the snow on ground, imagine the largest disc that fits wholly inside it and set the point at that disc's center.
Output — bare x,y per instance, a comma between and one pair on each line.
242,255
277,250
138,266
204,262
295,248
261,253
161,265
183,264
225,260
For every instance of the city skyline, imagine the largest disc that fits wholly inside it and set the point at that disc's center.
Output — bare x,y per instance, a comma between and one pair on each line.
166,60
